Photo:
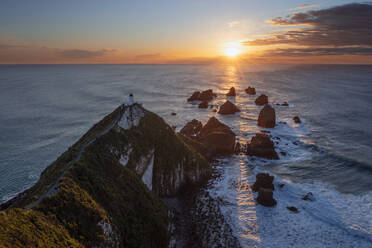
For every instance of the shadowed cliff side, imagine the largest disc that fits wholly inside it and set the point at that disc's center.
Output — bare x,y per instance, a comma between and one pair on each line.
103,191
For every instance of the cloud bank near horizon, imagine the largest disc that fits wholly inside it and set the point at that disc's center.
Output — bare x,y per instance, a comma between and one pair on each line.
340,30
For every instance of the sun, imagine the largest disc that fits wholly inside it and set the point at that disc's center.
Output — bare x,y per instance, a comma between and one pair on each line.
232,49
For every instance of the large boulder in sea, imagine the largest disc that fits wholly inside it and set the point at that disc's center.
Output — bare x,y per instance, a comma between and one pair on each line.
206,95
262,100
192,129
265,197
250,91
267,118
262,146
231,92
214,138
105,190
228,108
264,186
203,105
263,180
218,137
194,97
297,120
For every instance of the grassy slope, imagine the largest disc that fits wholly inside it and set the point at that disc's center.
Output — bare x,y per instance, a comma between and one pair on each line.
98,188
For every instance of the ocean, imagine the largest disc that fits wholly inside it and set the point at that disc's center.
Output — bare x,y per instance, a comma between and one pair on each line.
44,109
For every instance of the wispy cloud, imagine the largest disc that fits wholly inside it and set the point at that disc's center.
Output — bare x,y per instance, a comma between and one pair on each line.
233,24
7,46
82,54
305,6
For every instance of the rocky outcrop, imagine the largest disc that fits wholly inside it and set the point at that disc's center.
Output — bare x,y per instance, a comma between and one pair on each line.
228,108
231,92
262,100
308,197
206,95
218,137
215,136
265,197
192,129
297,120
86,197
293,209
261,145
264,186
250,91
194,97
263,180
267,118
203,104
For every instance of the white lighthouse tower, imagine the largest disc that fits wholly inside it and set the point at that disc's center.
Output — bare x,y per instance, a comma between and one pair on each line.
131,100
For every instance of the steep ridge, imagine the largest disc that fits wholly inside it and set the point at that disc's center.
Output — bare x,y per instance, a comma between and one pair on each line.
104,191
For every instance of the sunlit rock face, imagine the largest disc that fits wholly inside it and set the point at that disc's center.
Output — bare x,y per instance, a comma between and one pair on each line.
228,108
267,118
212,139
86,197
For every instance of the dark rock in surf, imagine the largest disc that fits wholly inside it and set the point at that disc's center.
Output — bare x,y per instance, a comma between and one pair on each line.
228,108
265,197
293,209
267,118
297,119
192,129
262,100
237,148
261,145
206,95
231,92
194,97
250,91
203,104
263,180
218,137
308,197
285,104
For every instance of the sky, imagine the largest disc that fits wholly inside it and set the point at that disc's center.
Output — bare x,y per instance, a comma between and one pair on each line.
187,31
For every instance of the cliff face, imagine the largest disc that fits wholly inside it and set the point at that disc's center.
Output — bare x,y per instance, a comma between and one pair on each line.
104,191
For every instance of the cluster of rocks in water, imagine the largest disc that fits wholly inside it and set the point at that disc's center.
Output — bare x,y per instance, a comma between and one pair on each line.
218,139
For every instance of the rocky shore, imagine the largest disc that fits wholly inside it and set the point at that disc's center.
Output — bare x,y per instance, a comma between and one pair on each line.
133,181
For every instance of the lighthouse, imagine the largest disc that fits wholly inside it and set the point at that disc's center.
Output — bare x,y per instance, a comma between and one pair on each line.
131,101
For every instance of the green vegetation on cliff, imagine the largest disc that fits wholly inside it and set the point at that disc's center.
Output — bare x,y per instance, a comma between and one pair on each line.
89,198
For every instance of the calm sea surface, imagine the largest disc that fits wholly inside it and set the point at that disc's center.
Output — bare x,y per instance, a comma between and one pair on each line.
45,109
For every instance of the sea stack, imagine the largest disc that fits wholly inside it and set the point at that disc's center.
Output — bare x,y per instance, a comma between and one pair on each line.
267,118
228,108
231,92
250,91
262,100
262,146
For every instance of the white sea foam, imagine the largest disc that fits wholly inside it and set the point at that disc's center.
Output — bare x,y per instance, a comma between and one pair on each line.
331,220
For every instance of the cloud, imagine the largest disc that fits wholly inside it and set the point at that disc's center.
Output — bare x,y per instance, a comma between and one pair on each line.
345,25
233,24
6,46
83,54
316,51
149,56
305,6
